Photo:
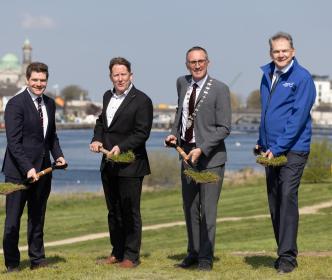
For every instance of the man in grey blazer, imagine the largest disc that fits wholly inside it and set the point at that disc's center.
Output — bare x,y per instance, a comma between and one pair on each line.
202,122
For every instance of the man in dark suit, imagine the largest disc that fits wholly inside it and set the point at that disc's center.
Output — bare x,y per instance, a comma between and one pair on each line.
124,124
31,137
202,122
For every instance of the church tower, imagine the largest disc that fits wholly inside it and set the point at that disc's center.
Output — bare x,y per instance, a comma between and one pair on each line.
27,51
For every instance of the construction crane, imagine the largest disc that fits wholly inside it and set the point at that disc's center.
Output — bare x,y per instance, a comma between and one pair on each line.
235,79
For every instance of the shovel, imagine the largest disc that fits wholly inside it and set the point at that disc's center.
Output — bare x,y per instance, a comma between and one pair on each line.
191,171
7,188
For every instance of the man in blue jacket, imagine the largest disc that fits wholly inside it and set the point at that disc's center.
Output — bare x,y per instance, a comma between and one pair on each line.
287,96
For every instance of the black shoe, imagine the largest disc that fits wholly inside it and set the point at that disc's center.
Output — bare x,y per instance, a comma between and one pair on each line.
12,269
187,262
276,263
285,267
39,265
204,266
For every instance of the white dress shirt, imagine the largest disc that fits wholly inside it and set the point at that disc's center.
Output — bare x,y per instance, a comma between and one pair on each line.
185,106
115,103
43,107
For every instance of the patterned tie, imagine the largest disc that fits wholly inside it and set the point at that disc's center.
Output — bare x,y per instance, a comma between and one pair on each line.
189,131
277,76
40,111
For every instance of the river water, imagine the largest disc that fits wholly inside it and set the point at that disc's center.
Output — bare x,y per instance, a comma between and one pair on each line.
83,171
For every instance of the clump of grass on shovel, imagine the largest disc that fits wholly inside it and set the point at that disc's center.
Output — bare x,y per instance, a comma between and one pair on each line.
202,176
273,162
6,188
191,171
126,157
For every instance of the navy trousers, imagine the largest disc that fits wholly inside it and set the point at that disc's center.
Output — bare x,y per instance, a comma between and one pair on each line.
282,190
36,199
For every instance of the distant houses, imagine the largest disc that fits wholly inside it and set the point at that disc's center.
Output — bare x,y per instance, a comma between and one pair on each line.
12,81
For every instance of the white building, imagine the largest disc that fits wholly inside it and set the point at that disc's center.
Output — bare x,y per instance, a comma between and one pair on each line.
323,89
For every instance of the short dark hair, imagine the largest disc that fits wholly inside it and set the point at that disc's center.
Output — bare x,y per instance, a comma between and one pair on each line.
120,61
36,67
197,48
283,35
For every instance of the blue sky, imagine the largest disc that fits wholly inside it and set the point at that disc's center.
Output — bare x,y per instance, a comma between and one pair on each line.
78,38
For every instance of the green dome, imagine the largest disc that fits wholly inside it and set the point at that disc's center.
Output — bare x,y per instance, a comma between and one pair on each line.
9,62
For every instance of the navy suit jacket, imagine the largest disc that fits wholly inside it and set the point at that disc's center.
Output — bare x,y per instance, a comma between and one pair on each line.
27,147
130,128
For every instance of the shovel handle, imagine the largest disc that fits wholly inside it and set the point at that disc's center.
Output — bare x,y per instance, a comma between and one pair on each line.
44,172
179,149
104,151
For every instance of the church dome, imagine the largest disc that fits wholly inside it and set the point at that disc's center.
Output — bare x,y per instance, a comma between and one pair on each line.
9,62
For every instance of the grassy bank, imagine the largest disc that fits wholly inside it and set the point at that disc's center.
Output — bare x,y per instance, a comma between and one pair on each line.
245,249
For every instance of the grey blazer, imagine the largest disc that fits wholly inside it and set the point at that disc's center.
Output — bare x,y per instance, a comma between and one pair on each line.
212,123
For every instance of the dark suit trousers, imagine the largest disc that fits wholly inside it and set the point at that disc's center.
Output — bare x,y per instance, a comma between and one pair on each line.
36,198
200,202
123,199
282,190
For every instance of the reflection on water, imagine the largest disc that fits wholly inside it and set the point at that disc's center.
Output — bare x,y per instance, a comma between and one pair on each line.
83,170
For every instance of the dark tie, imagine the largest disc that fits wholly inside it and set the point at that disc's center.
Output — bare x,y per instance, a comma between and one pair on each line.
40,111
189,131
277,75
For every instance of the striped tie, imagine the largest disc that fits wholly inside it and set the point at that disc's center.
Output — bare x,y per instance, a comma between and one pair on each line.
40,111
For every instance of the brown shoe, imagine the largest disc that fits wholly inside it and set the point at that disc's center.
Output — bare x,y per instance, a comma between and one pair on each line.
128,264
109,260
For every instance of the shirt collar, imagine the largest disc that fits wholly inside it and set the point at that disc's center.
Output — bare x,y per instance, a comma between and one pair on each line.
285,69
33,96
200,83
123,95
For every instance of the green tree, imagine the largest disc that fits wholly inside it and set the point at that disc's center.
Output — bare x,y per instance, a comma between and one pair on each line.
319,164
253,100
74,92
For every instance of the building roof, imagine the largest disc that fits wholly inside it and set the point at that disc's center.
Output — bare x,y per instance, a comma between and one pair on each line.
10,62
10,90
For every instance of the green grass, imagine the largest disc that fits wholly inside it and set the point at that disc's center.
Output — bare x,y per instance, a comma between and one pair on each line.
80,214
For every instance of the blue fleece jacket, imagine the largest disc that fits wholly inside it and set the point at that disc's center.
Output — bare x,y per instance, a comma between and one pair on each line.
285,118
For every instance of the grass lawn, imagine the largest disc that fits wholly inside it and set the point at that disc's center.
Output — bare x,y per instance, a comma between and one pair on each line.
244,249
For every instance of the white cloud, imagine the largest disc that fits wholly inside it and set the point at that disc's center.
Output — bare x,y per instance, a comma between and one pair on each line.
37,22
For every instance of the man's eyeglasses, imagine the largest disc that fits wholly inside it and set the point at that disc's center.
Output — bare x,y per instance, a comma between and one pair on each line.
193,63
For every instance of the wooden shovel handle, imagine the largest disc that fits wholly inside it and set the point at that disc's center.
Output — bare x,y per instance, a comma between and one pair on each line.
105,152
182,153
179,149
44,172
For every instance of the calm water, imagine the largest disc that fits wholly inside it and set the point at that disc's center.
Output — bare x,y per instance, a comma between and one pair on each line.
83,171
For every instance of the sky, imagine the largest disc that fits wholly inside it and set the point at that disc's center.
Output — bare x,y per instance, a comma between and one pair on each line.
77,39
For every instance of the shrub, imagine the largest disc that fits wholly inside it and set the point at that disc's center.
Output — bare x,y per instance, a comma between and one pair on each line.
165,170
318,168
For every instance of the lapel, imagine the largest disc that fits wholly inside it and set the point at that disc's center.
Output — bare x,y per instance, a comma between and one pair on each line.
130,97
32,109
184,89
201,93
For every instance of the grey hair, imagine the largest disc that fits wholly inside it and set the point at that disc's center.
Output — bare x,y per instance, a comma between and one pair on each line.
197,48
283,35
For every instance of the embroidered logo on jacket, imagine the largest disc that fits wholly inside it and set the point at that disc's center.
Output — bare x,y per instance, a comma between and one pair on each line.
290,85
